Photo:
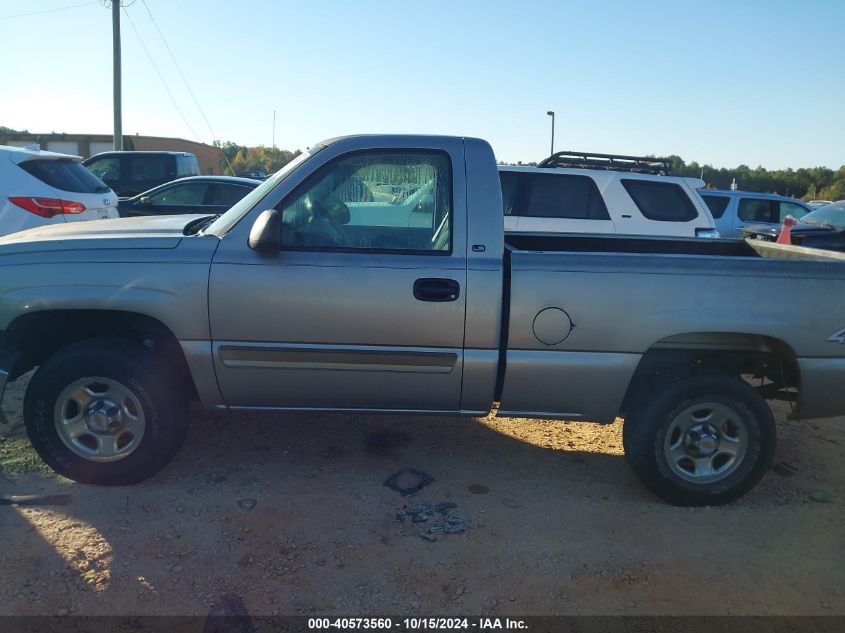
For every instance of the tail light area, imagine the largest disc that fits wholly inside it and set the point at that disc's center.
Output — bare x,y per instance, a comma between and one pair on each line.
47,207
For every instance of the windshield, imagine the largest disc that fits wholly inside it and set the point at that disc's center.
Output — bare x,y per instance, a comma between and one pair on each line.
241,208
831,214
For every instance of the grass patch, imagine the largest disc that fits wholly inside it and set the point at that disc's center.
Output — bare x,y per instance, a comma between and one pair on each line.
17,457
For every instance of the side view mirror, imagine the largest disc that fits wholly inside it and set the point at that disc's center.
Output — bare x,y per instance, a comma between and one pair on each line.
265,235
145,202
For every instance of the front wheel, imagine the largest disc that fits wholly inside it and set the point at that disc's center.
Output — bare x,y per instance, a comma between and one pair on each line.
705,440
105,412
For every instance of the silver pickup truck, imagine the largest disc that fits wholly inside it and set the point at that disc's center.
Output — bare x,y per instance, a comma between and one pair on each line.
373,274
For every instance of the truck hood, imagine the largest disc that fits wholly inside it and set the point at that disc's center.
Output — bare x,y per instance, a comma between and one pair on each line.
143,232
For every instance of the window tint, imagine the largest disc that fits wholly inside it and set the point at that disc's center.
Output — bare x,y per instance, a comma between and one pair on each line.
107,169
394,201
189,193
790,208
225,194
758,210
141,169
661,201
187,166
66,175
558,196
509,181
716,204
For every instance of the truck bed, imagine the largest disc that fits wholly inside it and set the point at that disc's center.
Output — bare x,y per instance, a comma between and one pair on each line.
628,244
665,246
611,300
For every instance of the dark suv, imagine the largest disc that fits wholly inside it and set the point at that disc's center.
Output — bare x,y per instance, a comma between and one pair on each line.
130,173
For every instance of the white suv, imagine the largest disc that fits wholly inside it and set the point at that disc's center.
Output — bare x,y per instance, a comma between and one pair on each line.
573,192
38,188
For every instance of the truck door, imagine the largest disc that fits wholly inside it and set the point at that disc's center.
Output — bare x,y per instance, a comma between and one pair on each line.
363,306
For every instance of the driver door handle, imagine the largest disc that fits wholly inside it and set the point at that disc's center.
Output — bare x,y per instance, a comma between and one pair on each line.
436,289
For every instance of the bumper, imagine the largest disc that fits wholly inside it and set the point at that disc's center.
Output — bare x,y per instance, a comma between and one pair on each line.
8,357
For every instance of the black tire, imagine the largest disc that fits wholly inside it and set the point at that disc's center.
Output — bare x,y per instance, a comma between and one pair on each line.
132,366
645,428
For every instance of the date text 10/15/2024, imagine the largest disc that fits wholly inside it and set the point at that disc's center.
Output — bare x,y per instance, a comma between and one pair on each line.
418,624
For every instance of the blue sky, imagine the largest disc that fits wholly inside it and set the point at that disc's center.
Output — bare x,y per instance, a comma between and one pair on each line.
758,82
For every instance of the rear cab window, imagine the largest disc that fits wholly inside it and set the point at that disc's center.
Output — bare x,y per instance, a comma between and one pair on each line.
544,195
64,175
660,201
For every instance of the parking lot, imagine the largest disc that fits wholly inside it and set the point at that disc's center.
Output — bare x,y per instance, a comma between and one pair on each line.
289,512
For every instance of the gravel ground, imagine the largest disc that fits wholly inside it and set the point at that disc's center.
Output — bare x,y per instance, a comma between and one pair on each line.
290,513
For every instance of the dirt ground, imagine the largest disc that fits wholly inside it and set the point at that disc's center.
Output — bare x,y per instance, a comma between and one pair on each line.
290,513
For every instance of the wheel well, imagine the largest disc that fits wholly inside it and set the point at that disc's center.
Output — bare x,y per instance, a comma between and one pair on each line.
749,356
38,335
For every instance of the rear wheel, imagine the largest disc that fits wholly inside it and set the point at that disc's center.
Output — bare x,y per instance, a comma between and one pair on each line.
105,412
705,440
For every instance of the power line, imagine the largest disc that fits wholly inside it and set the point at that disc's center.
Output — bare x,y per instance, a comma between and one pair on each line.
23,15
160,76
184,78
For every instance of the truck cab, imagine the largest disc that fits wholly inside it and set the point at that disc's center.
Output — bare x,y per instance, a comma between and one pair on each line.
396,219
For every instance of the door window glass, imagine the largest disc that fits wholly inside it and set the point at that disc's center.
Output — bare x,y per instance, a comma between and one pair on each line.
790,208
142,169
226,195
384,201
758,210
107,170
192,193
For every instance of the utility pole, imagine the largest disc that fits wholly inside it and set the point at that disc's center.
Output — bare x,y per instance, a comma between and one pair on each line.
118,119
552,114
274,130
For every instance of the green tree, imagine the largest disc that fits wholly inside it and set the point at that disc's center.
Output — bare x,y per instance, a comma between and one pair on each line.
237,159
835,191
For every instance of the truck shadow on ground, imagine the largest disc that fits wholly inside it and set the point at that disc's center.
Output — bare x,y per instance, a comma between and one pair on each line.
250,492
290,512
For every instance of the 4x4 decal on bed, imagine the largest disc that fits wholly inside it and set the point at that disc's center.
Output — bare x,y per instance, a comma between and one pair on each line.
837,337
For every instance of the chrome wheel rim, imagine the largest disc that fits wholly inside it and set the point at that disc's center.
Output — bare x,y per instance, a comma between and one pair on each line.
706,442
99,419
